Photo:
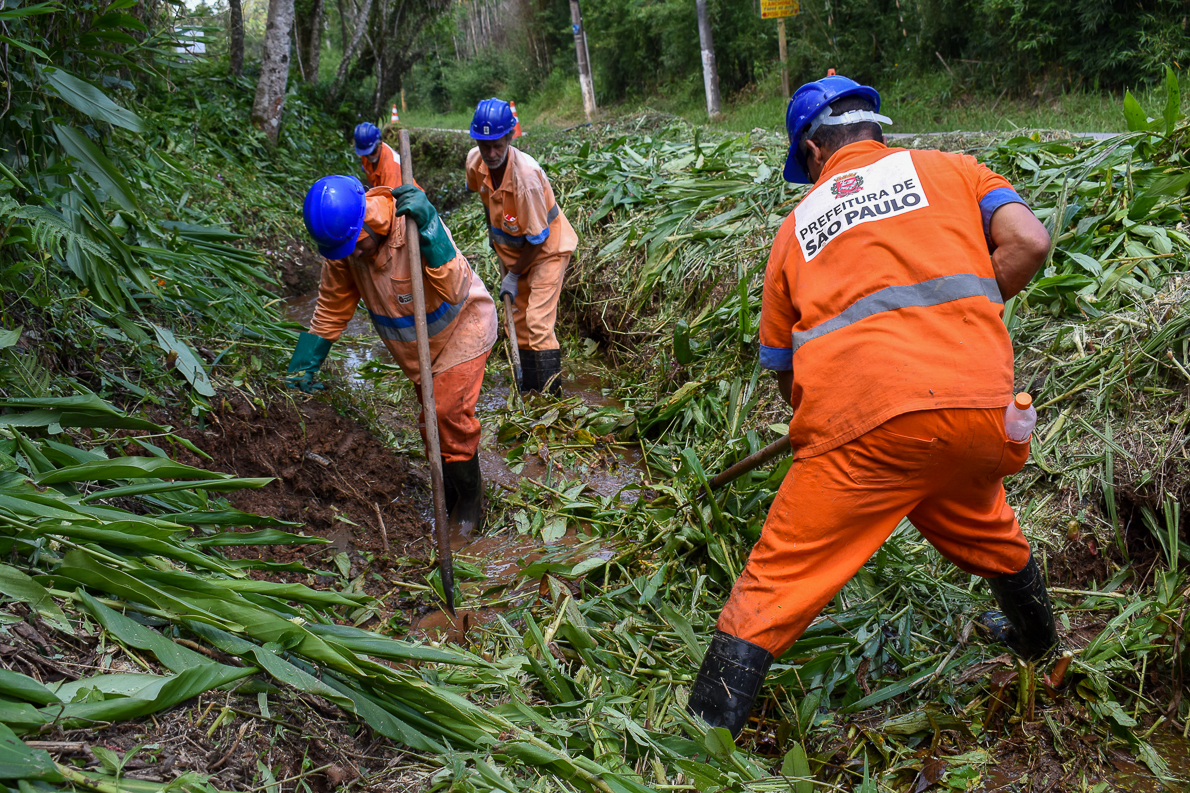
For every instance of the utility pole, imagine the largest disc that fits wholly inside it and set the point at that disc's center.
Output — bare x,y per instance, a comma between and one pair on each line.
584,59
710,76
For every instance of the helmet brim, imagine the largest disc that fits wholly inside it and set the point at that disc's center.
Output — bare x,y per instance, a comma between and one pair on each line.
490,136
794,172
344,250
366,150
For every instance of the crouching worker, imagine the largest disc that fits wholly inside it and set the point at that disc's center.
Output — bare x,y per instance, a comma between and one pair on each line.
882,317
530,235
362,236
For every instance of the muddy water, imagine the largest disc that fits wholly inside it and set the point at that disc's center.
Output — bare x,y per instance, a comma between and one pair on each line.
500,557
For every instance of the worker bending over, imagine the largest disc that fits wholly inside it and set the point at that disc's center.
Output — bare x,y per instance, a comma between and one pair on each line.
882,317
530,235
381,164
362,236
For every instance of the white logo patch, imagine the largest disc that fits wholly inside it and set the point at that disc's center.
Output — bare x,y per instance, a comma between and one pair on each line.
403,299
886,188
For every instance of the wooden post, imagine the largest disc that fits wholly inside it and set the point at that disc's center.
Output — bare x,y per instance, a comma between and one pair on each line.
710,75
584,59
405,109
784,58
426,375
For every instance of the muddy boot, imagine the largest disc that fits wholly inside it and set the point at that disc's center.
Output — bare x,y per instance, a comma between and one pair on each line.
1026,619
529,380
549,372
465,510
728,681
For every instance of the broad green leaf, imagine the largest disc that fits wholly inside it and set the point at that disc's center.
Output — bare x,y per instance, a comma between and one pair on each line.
96,165
231,517
172,655
10,337
219,485
25,688
797,765
261,537
1173,101
88,99
18,761
82,403
187,361
1138,120
66,418
1087,263
17,585
127,468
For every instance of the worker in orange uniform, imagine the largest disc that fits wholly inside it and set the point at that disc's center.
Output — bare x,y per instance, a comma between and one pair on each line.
381,164
530,235
882,317
362,236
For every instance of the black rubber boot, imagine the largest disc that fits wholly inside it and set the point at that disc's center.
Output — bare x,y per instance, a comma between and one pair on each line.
529,381
465,509
728,681
1025,606
549,372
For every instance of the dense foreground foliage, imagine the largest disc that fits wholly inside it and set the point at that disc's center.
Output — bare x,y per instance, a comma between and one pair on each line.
131,302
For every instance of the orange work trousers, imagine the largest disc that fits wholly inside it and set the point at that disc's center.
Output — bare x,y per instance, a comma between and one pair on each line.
535,309
456,390
943,469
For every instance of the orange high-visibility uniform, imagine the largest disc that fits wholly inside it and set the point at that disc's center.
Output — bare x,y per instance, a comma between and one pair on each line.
387,170
881,298
460,316
523,211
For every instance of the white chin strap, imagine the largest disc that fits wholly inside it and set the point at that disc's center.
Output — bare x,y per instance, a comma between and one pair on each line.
825,119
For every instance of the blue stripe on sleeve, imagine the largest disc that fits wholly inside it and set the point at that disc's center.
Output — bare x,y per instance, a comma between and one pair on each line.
778,359
537,239
993,201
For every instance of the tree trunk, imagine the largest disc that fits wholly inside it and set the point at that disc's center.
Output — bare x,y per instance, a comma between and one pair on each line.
236,40
584,60
361,24
315,41
274,69
710,75
308,32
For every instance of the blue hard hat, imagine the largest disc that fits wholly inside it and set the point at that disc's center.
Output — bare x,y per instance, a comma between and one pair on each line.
808,102
334,214
367,136
493,120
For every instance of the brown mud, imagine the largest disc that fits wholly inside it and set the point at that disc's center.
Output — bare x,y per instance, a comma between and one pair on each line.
332,476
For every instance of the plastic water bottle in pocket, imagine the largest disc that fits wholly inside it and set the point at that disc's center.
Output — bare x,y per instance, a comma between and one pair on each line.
1020,417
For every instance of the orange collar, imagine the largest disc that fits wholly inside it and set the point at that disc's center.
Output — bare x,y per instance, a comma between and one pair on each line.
842,159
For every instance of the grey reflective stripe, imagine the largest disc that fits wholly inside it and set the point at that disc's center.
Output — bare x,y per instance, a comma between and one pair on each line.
553,213
934,292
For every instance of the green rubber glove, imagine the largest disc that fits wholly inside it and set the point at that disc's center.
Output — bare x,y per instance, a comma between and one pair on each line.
436,247
307,359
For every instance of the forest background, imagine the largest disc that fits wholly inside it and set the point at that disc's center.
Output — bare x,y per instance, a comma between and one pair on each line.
940,64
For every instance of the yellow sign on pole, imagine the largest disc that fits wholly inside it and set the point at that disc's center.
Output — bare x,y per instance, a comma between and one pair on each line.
777,9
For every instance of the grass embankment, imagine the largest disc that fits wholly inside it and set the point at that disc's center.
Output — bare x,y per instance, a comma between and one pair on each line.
934,103
114,549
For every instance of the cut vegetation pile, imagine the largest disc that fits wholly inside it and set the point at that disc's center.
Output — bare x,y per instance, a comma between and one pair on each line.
134,605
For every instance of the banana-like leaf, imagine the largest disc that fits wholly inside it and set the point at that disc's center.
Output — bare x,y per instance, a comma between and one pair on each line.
18,761
172,656
220,485
187,361
96,165
17,585
262,537
127,468
86,98
25,688
232,517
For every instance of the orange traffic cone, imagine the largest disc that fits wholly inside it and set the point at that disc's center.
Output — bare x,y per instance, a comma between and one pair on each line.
516,133
395,118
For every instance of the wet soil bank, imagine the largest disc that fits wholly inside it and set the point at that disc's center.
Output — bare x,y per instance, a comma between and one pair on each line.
332,476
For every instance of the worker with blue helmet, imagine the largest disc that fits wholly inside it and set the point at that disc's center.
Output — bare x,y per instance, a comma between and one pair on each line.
531,237
362,235
882,318
381,164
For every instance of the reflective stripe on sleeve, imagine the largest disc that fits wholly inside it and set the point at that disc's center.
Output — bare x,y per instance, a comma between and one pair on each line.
552,215
933,292
778,359
403,328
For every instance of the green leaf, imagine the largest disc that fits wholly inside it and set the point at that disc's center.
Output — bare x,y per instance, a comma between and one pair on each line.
96,165
127,468
88,99
24,688
1173,101
17,585
18,761
719,743
10,337
1138,120
796,764
187,361
218,485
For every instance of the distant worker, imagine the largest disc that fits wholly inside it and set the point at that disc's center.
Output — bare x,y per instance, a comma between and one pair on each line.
530,235
882,317
362,235
381,164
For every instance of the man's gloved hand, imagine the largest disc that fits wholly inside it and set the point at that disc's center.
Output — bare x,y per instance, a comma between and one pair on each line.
436,247
307,359
509,286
